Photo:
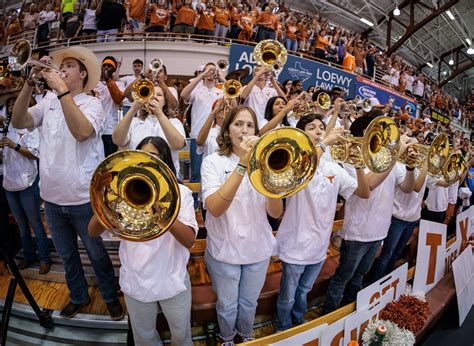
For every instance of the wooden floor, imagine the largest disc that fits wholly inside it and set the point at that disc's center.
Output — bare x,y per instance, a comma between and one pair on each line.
54,295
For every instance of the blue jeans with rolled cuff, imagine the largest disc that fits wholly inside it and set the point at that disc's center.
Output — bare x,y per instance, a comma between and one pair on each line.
66,223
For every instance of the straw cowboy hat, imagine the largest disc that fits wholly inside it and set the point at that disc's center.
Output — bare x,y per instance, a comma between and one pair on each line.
86,57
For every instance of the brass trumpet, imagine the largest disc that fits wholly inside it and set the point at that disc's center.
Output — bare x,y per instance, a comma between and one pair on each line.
305,107
453,168
222,64
270,53
142,92
232,89
20,57
435,155
376,150
282,162
135,195
155,66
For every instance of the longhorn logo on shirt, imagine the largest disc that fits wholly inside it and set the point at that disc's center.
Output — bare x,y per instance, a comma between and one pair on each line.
330,178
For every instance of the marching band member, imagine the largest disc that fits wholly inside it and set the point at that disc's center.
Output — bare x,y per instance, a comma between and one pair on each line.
257,93
155,122
207,138
276,113
153,273
201,93
406,216
70,150
305,230
366,223
20,181
239,238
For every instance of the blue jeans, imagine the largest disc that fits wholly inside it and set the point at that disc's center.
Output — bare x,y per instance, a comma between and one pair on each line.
291,44
398,235
25,207
107,35
196,161
296,282
354,263
66,223
238,288
265,34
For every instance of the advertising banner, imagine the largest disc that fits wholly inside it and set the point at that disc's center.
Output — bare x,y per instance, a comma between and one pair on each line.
367,88
308,71
440,117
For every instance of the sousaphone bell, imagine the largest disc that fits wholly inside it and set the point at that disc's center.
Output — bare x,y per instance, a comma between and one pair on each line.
135,195
282,162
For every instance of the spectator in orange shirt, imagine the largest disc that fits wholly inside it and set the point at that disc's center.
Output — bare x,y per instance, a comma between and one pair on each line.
235,14
222,21
14,28
321,43
246,25
159,17
136,14
185,18
267,22
205,24
349,62
291,42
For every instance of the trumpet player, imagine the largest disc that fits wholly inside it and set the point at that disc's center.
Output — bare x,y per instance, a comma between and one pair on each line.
201,93
366,223
70,150
257,92
154,120
305,230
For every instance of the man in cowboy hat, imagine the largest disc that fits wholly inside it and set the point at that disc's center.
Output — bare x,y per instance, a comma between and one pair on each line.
70,150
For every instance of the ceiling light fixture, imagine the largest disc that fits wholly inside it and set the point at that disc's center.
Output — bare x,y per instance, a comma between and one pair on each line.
396,11
429,64
369,23
450,14
451,62
468,41
470,51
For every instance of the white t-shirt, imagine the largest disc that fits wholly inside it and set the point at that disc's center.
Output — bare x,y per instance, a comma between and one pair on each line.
437,199
127,80
156,270
419,88
369,219
202,98
20,172
45,17
89,20
140,129
409,83
257,100
407,206
110,108
242,234
453,192
67,165
304,233
210,146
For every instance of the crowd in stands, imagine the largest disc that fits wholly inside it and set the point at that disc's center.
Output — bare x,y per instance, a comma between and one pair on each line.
252,20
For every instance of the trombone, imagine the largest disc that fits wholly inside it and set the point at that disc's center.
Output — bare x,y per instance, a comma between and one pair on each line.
20,57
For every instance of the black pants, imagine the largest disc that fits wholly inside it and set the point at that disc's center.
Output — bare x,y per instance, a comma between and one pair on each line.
109,146
435,216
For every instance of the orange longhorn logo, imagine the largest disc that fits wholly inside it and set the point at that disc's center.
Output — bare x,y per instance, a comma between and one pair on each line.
330,178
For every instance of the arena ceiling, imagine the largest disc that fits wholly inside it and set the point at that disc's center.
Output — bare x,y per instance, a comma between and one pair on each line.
437,37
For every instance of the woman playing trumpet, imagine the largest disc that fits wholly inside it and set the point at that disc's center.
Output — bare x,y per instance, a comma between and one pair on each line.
152,120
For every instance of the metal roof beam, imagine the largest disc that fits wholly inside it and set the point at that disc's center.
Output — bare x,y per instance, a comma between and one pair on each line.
414,28
455,73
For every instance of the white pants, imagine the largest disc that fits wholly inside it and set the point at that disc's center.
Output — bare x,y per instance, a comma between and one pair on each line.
177,311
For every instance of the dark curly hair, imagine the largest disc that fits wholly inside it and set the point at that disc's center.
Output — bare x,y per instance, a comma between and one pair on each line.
223,140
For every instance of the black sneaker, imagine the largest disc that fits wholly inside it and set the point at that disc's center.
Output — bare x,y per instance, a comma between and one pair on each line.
115,310
71,309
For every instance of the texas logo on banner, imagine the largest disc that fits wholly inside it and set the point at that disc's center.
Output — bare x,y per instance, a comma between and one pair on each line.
310,72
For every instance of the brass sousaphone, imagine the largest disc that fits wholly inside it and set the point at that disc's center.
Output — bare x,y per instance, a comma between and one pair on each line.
135,195
282,162
377,149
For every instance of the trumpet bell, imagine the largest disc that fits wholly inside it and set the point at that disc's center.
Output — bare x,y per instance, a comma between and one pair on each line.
282,162
143,90
366,105
452,168
222,64
156,65
324,101
232,89
270,53
377,149
20,55
438,154
135,195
